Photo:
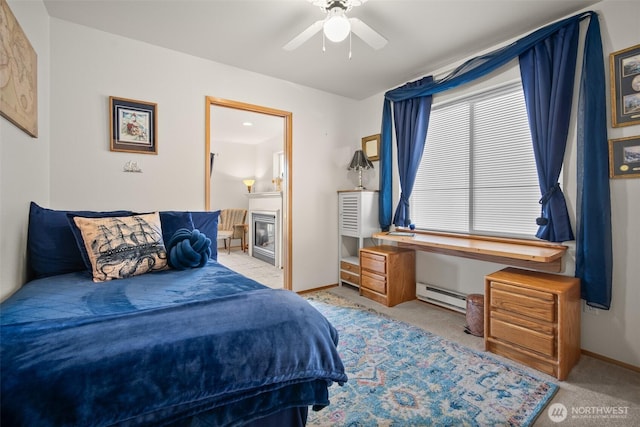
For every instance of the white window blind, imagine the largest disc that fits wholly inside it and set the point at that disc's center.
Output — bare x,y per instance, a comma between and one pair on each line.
478,173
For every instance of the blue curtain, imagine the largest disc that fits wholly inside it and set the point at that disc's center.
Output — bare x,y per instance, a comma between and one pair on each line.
386,170
473,69
411,118
593,244
594,255
548,71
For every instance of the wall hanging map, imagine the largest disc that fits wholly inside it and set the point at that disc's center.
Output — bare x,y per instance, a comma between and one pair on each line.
18,74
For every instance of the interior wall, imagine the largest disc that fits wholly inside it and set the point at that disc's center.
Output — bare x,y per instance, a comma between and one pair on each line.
611,333
263,172
233,163
24,161
87,66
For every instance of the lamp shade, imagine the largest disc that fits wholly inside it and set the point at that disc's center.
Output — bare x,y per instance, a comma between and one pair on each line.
337,27
360,161
248,183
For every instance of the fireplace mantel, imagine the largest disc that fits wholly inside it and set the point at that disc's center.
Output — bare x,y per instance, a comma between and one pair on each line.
266,194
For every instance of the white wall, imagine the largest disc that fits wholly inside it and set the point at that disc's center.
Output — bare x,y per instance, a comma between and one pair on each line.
24,161
87,66
612,333
264,163
233,163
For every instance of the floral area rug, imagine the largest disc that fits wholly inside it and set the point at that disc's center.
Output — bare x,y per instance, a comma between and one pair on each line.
401,375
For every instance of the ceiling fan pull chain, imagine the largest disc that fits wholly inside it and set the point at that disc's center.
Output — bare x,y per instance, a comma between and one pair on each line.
349,44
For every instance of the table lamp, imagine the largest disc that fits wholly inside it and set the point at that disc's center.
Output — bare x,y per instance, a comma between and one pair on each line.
359,162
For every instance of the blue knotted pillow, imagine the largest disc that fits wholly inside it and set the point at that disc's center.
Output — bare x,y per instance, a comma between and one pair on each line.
188,249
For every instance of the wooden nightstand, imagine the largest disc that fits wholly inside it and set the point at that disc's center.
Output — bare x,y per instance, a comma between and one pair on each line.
533,318
388,274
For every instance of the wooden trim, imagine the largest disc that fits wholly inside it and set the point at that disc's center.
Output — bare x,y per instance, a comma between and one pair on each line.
515,252
321,288
287,220
610,360
527,242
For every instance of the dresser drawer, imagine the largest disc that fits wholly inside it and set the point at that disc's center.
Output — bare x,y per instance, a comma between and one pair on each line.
373,262
373,281
534,325
350,277
525,302
524,337
353,268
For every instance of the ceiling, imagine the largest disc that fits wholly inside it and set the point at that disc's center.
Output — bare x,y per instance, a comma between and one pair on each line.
228,125
423,35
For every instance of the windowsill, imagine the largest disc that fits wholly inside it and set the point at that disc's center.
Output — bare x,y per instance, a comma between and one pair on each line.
532,254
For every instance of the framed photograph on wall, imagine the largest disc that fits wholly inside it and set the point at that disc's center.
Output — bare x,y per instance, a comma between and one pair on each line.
625,86
371,147
133,126
624,157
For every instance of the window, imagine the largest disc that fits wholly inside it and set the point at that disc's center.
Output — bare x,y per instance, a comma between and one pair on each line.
478,174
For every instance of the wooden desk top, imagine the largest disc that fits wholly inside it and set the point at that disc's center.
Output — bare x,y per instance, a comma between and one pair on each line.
519,253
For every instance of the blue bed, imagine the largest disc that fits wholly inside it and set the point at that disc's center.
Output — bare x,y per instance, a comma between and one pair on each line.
203,346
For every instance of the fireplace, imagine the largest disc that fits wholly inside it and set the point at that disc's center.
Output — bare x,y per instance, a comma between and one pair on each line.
264,238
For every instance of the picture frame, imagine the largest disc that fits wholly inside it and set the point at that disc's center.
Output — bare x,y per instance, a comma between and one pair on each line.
133,126
624,157
625,86
371,146
18,76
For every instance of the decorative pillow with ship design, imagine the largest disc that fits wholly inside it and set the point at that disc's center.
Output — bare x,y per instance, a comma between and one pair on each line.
121,247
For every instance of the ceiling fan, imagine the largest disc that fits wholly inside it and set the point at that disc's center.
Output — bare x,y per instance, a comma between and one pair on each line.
336,26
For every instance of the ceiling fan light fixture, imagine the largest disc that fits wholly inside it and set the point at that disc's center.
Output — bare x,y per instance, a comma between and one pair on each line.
337,27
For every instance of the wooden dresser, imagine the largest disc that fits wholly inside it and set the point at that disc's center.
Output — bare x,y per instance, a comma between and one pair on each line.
388,274
533,318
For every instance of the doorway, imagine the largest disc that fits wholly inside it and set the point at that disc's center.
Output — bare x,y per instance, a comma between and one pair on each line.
211,105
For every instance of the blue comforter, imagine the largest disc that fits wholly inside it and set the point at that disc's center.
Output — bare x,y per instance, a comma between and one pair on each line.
156,348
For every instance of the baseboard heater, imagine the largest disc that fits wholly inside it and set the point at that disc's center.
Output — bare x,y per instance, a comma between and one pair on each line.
442,297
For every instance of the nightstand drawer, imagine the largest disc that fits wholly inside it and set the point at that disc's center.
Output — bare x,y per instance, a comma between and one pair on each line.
536,341
374,282
525,302
373,262
353,268
350,277
534,325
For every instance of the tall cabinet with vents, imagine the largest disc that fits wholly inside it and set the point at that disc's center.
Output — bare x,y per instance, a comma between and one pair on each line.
357,221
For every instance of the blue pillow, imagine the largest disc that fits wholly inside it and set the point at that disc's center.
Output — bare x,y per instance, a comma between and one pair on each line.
188,249
51,245
207,223
172,221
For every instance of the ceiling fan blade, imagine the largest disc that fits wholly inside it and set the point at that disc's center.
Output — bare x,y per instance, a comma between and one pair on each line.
367,34
304,36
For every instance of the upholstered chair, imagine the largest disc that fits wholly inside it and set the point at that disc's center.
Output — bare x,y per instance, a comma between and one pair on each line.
232,226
